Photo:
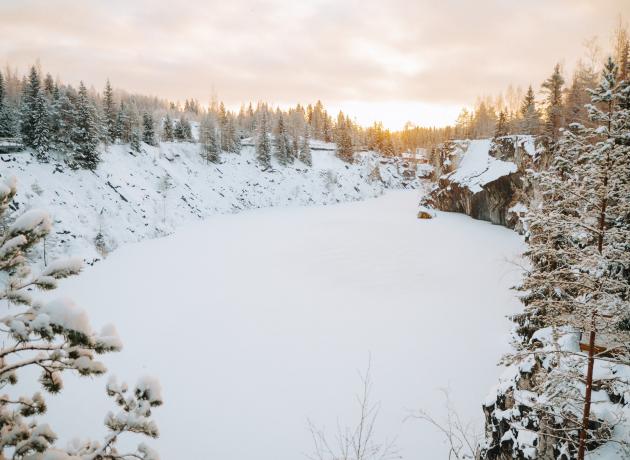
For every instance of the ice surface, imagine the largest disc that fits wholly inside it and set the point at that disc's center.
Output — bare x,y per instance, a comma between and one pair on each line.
256,321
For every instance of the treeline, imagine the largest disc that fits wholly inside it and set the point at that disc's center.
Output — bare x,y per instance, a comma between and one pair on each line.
59,121
563,102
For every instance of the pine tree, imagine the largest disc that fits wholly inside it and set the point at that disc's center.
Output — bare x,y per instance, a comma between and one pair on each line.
54,338
64,120
167,129
305,148
49,86
7,116
345,150
40,134
578,281
123,124
109,112
263,143
281,142
135,142
187,130
209,140
86,132
148,131
553,88
179,132
28,118
501,129
529,113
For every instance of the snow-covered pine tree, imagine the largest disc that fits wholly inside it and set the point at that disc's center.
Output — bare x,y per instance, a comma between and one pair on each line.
305,147
223,121
187,130
64,115
263,143
178,131
148,130
501,129
86,132
123,124
7,115
109,113
233,138
167,129
345,150
209,140
30,89
40,130
49,86
281,142
553,88
53,338
530,117
135,143
579,281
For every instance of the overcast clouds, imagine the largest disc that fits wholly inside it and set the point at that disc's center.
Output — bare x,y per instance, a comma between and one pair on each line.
428,53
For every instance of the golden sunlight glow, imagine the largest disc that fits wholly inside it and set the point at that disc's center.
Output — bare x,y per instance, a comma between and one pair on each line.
394,114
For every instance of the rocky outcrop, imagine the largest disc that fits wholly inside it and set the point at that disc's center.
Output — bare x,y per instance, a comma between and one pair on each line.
484,178
492,203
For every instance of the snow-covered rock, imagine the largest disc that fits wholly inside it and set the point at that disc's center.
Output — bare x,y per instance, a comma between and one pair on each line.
484,178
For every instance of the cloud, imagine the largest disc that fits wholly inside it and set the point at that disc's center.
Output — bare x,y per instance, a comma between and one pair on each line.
284,51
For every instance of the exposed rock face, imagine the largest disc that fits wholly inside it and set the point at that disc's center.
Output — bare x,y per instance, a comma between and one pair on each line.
491,203
485,178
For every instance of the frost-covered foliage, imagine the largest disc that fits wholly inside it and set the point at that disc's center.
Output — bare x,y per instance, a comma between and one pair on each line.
53,337
578,282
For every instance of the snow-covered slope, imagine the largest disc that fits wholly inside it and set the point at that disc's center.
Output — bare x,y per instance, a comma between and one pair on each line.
134,196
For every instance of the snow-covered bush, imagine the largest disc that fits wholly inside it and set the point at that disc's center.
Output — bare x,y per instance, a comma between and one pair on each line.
54,337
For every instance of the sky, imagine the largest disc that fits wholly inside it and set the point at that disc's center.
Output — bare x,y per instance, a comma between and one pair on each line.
394,60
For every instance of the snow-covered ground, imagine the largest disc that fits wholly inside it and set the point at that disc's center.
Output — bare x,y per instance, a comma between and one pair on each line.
256,321
134,196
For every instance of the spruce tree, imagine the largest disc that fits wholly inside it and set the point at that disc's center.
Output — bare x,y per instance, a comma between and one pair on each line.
40,129
345,150
49,86
209,140
110,113
28,117
135,142
64,120
305,147
553,87
86,132
179,132
123,124
187,130
281,142
7,116
167,129
263,143
501,129
148,131
529,114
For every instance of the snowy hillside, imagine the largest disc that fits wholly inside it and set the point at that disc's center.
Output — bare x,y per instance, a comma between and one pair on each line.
133,196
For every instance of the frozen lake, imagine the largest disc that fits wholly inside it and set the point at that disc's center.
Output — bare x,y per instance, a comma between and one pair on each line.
257,321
